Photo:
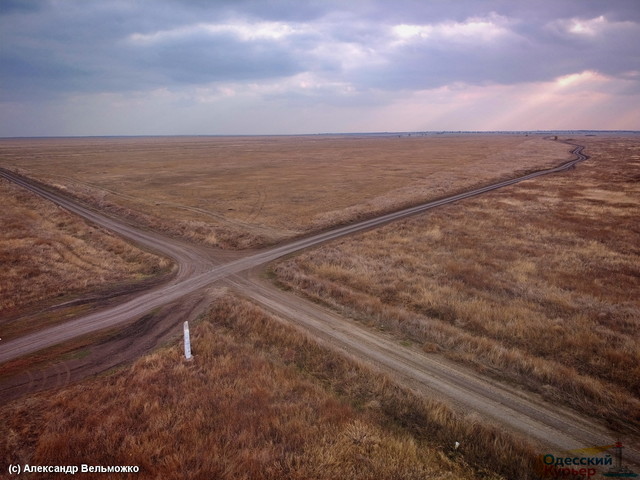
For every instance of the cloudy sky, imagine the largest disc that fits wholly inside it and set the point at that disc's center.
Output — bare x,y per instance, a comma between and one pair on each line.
138,67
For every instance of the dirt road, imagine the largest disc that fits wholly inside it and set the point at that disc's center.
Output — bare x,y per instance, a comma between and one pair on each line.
528,414
198,267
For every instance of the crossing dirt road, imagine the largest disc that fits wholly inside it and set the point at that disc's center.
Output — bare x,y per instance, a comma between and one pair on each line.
199,267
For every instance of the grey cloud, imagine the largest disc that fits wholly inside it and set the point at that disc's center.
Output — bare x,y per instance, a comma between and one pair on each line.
19,6
528,11
84,48
205,59
533,51
284,10
49,49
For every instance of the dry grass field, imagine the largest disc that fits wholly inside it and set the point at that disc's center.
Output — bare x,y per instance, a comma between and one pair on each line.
538,284
237,192
259,400
50,257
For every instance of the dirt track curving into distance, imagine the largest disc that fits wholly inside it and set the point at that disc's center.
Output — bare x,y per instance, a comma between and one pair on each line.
199,268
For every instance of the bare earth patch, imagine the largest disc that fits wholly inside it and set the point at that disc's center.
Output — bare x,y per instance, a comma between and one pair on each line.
238,192
538,283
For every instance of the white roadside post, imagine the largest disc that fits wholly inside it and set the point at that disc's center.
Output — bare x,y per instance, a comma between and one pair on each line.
187,342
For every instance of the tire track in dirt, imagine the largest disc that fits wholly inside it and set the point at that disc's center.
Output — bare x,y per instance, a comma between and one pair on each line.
130,342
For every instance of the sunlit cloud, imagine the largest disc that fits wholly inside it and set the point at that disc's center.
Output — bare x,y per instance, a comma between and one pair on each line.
291,89
587,77
587,27
556,104
483,30
245,31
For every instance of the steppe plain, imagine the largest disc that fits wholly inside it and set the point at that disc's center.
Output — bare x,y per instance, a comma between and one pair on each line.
538,284
421,279
241,192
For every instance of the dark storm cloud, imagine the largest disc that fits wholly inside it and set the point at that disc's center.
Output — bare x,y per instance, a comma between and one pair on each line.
210,58
50,48
289,10
67,47
12,6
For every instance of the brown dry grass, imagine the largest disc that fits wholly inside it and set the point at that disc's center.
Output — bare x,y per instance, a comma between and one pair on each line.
259,400
49,256
538,283
245,191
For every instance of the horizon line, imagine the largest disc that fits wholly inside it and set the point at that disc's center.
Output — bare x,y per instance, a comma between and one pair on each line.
374,133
